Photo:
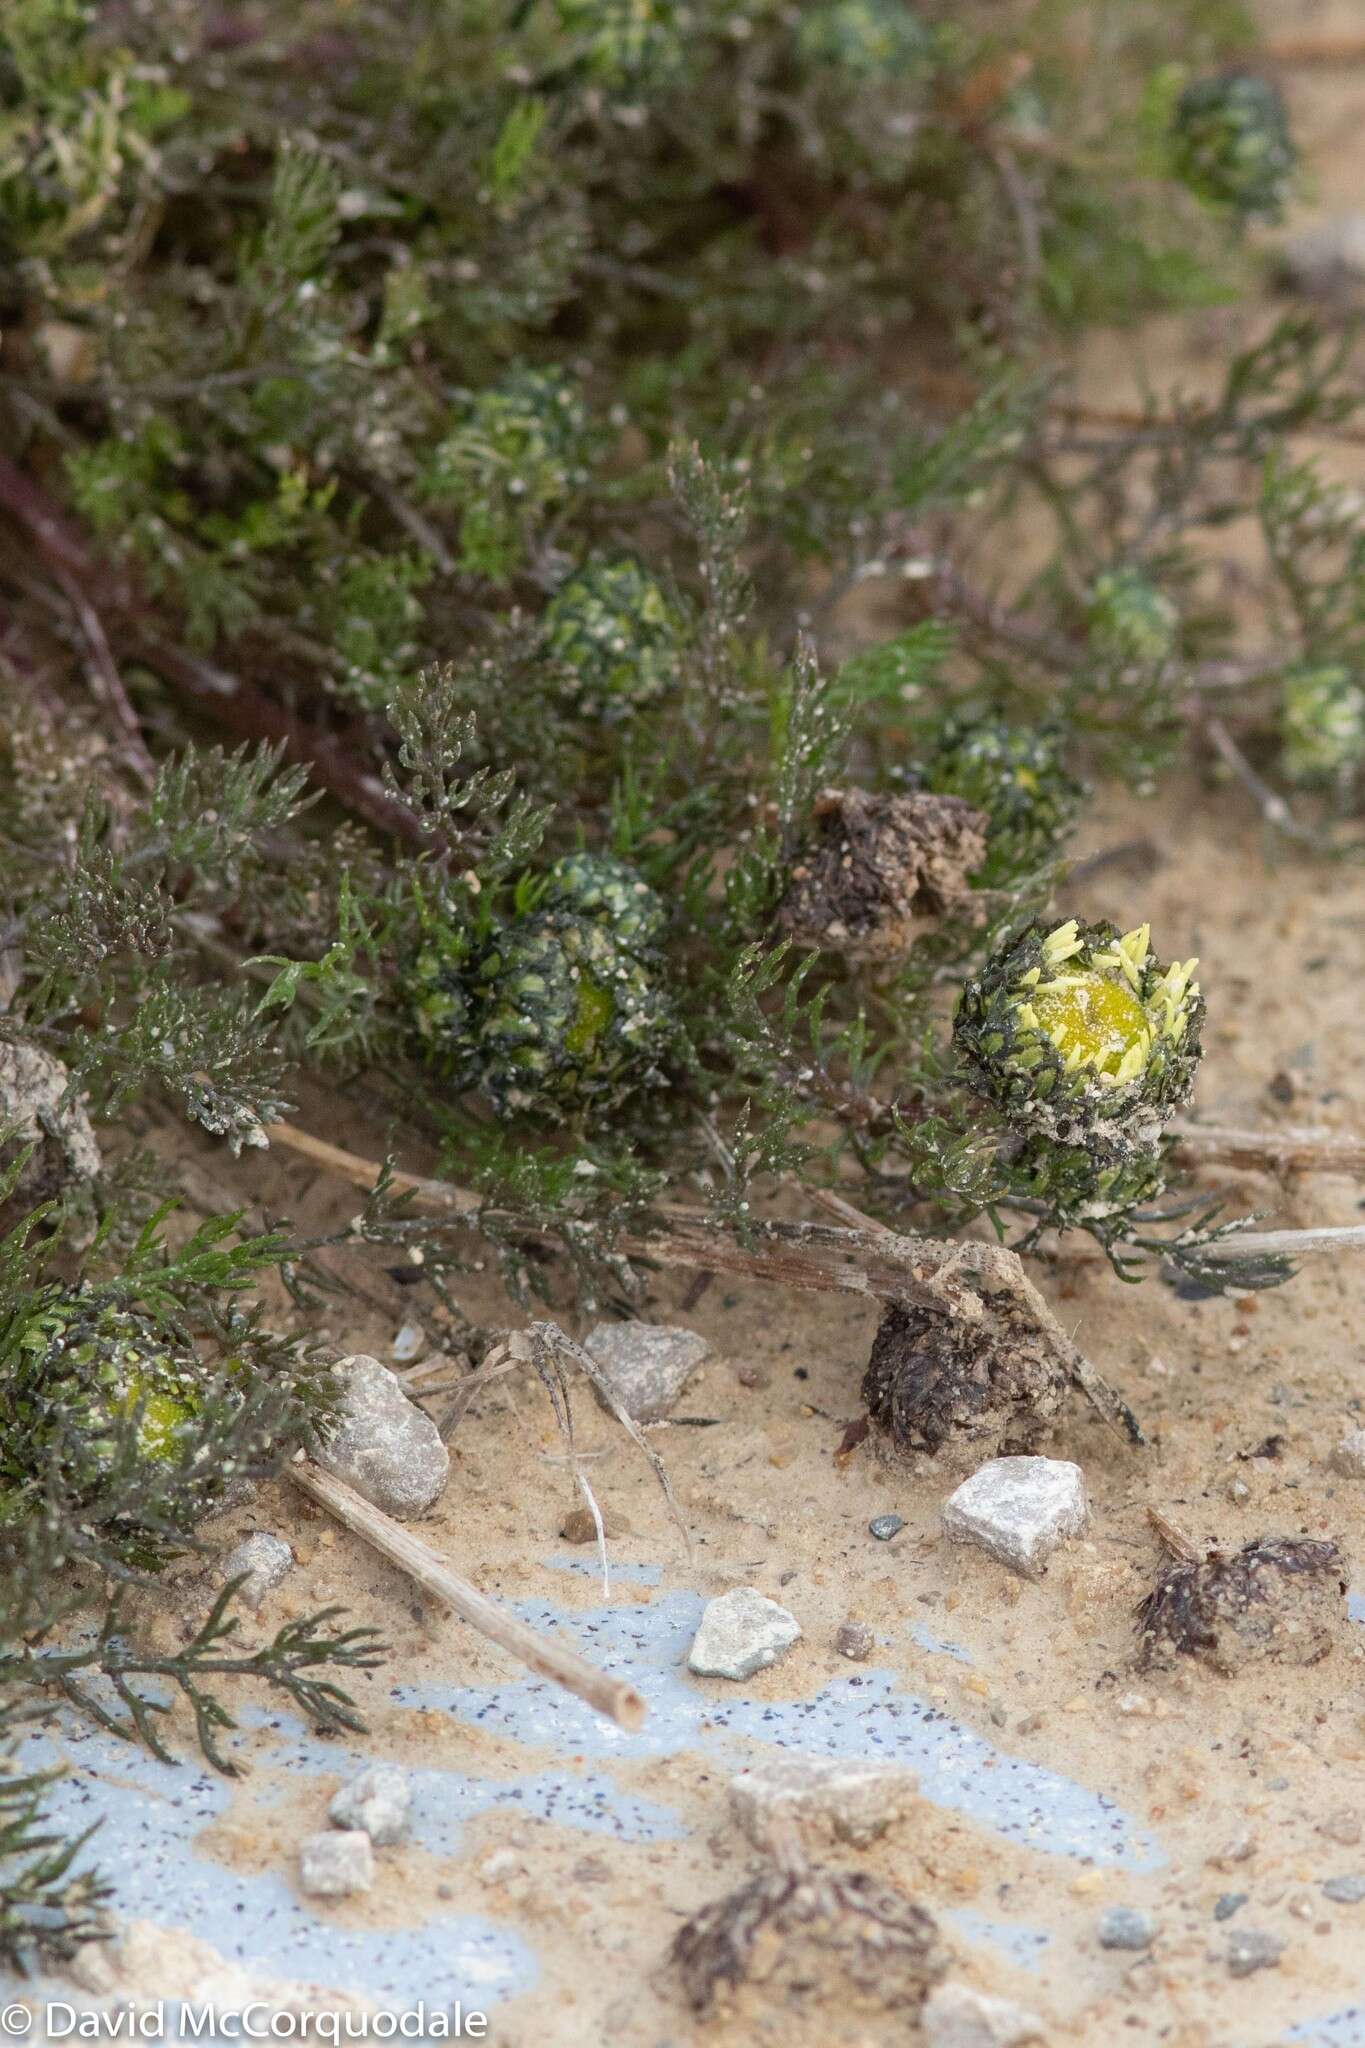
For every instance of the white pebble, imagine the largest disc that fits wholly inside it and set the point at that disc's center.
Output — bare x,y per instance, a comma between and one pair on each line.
955,2016
848,1799
333,1865
1019,1510
1349,1456
376,1802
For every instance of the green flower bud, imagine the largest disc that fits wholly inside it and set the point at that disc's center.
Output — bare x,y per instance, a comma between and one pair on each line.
570,1018
1230,144
1132,624
868,38
1322,724
612,633
83,1370
1017,777
1079,1034
612,894
517,452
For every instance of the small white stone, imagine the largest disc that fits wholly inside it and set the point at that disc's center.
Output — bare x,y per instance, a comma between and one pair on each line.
955,2016
844,1799
1018,1509
740,1633
383,1445
376,1802
267,1561
1349,1456
1328,258
333,1865
646,1365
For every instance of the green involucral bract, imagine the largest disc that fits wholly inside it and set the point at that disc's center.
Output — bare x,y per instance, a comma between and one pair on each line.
437,986
1080,1034
571,1019
82,1371
516,454
1322,724
612,894
613,634
1017,776
868,38
1132,624
1230,144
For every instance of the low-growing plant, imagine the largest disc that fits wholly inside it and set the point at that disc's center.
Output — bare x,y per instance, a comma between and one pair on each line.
445,446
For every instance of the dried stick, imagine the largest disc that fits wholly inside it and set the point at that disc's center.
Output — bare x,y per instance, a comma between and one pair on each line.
1174,1540
1321,1237
1303,1150
813,1258
127,621
610,1696
110,683
868,1259
1309,50
364,1173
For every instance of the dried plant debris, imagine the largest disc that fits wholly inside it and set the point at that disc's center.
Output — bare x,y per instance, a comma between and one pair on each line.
937,1377
1278,1597
810,1937
881,871
35,1111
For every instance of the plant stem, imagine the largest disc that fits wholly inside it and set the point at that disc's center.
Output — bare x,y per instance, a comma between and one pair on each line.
613,1697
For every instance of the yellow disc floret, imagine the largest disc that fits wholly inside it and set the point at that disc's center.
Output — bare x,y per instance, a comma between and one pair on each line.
1094,1021
1081,1035
1094,1011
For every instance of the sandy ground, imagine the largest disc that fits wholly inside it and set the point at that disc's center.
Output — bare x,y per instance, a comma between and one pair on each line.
1252,1785
1043,1672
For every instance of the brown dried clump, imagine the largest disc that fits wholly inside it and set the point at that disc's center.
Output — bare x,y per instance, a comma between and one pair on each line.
880,871
1279,1597
934,1376
33,1112
808,1937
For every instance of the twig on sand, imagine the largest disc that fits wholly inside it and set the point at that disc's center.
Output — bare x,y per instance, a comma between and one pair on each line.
548,1659
1290,1244
1268,1150
866,1259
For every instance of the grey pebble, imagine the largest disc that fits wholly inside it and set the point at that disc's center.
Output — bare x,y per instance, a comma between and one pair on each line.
646,1365
884,1527
741,1632
383,1444
1126,1927
265,1560
854,1639
1345,1891
1229,1903
1253,1950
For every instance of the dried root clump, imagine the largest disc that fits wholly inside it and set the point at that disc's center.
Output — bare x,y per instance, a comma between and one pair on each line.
33,1112
809,1937
881,871
940,1376
1279,1597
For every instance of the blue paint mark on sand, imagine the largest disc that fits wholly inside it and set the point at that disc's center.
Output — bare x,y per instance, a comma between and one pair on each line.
923,1635
1023,1945
150,1814
866,1715
1344,2029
